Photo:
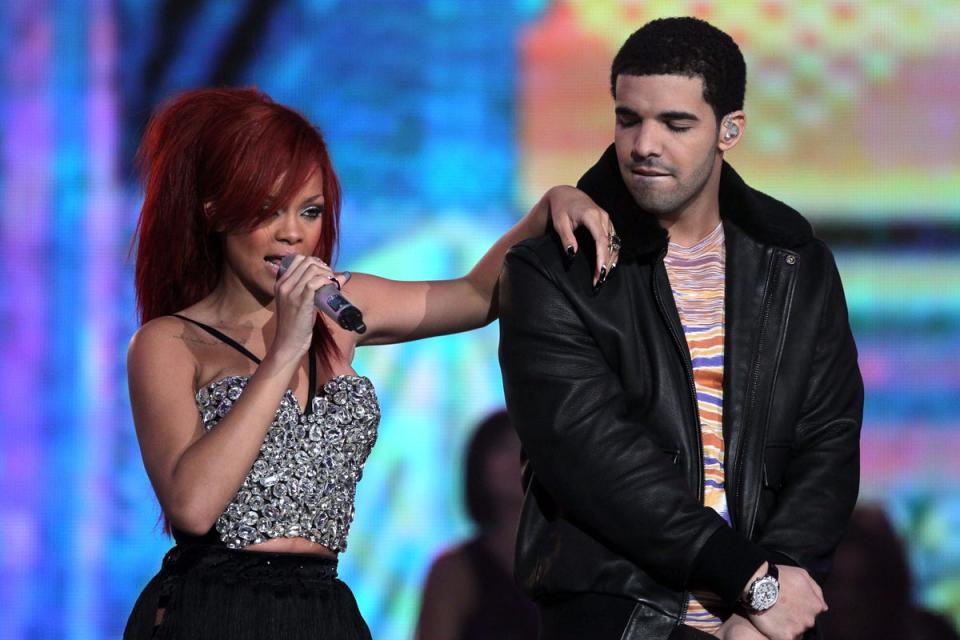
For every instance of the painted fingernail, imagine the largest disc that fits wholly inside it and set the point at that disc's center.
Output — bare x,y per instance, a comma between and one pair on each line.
601,279
571,252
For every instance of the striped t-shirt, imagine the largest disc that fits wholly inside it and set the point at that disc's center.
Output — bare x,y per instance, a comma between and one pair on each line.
697,280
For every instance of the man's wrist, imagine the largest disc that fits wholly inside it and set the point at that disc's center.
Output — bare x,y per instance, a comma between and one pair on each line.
759,573
725,563
763,591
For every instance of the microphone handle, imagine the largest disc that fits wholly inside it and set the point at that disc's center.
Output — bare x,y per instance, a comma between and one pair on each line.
331,301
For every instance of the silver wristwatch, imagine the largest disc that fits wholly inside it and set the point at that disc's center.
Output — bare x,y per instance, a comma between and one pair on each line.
764,591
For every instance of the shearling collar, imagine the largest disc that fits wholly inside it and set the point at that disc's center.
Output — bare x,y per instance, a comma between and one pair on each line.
764,218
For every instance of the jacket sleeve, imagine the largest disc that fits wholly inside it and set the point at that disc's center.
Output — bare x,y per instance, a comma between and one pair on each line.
599,464
821,479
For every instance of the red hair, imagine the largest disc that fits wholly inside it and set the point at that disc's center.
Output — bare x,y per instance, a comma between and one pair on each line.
210,159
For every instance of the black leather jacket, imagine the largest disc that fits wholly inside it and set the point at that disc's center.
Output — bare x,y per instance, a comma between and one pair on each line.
600,389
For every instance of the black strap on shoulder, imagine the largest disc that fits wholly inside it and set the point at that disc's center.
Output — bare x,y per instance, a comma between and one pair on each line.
221,336
239,347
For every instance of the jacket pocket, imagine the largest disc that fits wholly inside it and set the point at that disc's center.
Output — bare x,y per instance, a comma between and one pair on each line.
673,454
776,456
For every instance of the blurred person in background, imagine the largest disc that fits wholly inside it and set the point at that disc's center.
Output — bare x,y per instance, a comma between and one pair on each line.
870,591
470,592
252,424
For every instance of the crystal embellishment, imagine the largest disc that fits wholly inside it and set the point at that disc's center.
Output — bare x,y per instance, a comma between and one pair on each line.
304,480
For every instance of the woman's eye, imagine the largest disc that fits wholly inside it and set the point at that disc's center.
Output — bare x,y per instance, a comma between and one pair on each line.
313,212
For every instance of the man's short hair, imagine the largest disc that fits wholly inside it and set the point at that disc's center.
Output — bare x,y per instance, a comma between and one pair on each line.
686,47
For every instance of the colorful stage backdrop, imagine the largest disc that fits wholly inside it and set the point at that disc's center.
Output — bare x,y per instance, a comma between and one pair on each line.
446,121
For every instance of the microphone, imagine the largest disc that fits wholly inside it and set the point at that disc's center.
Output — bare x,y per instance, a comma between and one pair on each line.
330,300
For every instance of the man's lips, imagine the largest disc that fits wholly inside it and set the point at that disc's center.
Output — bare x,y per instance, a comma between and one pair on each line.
649,173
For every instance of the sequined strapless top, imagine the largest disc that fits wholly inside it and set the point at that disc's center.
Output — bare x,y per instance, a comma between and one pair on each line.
304,479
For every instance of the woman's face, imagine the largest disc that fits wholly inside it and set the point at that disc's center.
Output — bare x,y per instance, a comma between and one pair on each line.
296,227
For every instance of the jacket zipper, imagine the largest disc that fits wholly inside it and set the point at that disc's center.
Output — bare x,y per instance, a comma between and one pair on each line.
688,368
772,274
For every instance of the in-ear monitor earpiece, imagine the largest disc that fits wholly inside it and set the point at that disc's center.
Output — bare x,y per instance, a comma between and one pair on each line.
732,130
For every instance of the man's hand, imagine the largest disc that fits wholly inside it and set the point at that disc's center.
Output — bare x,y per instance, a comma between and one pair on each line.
796,610
737,627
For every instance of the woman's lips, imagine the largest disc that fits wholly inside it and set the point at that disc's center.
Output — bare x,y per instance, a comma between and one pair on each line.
273,264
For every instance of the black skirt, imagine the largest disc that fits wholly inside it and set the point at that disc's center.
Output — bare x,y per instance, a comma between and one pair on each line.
211,592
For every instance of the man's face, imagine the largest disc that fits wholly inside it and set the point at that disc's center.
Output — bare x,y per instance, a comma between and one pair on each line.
666,140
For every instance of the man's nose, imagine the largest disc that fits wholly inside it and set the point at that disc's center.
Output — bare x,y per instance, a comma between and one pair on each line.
647,141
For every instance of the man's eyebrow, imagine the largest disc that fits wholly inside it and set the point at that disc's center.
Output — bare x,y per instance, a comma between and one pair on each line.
679,115
664,115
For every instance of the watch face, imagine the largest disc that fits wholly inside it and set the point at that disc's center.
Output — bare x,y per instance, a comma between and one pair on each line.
766,590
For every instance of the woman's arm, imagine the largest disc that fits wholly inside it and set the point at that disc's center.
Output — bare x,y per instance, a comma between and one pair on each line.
401,311
195,473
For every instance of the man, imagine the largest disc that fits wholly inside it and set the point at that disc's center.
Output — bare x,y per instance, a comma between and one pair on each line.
691,426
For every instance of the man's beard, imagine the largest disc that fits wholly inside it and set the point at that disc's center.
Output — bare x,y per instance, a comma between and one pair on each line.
665,203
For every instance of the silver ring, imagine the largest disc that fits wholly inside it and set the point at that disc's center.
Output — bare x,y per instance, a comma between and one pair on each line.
614,242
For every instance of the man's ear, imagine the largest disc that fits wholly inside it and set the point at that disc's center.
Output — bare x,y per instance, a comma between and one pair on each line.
731,131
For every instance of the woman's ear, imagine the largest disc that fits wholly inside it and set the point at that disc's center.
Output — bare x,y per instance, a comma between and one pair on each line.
208,211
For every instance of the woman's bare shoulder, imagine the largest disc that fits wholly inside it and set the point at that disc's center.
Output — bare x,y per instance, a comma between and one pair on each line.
163,343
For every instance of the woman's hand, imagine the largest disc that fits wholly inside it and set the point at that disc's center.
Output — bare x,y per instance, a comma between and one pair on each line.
294,294
570,208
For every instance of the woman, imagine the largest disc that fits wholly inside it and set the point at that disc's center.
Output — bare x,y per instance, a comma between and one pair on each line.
252,424
470,593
